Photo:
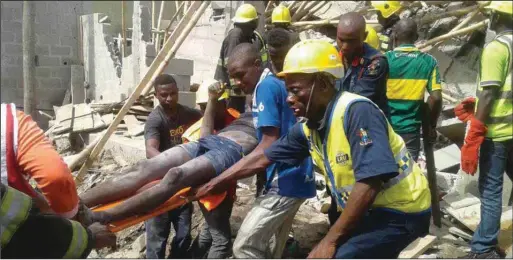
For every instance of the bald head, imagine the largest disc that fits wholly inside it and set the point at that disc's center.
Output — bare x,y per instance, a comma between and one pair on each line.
244,53
352,21
405,31
351,34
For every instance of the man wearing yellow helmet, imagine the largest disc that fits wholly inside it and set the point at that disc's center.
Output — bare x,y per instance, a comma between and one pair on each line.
388,15
280,17
244,30
489,139
384,195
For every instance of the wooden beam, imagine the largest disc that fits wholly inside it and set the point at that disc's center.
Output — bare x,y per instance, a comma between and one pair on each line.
306,9
456,13
157,66
159,21
314,10
123,30
459,32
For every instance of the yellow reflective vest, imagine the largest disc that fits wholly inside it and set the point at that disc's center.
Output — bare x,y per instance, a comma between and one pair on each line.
15,210
407,192
500,121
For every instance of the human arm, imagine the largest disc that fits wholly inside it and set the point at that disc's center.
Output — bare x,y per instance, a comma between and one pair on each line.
207,125
492,74
38,159
373,163
434,101
152,135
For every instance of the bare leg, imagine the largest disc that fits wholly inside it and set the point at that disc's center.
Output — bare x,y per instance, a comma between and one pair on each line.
191,174
135,177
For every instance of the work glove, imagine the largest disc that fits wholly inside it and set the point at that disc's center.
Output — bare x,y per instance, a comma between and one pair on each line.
470,150
465,110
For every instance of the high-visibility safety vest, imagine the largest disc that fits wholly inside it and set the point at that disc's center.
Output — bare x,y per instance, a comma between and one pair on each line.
263,47
500,120
10,174
15,210
408,192
384,41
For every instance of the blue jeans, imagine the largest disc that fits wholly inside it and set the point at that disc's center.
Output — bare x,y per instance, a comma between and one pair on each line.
495,159
384,233
159,227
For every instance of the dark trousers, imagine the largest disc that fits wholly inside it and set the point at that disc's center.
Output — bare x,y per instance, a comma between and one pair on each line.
158,229
412,141
384,234
495,159
214,239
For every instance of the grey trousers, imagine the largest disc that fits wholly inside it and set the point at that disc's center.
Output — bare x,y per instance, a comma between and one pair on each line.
264,231
215,238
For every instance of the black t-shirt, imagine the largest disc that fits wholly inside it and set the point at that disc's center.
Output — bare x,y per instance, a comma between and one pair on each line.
169,132
244,123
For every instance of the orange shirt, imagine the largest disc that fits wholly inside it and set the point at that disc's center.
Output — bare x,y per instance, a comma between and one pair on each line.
38,159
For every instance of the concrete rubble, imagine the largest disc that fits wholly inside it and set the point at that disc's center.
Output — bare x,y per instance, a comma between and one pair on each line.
106,79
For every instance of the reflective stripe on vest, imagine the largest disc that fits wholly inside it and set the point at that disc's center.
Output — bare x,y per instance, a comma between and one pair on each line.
14,211
407,192
10,175
263,49
500,120
384,41
78,242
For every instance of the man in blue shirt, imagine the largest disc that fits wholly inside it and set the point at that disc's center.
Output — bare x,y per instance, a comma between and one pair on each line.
366,69
287,186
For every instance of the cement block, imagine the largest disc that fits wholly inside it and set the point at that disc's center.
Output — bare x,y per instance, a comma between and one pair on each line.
50,83
453,129
43,72
68,41
11,26
11,60
62,72
448,159
47,39
15,72
183,82
7,37
187,98
60,50
180,67
49,61
13,49
42,49
129,150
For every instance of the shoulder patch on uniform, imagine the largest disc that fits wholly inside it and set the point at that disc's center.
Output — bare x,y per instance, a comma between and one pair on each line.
364,137
373,68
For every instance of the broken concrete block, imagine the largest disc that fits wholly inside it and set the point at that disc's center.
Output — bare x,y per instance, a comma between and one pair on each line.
460,233
77,118
453,129
461,201
77,84
130,150
446,181
444,61
448,159
187,98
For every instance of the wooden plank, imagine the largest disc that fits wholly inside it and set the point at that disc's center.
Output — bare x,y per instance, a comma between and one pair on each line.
417,247
460,201
460,233
167,52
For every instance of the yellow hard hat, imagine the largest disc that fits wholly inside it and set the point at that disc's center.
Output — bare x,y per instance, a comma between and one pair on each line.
202,92
372,37
312,56
387,8
245,13
501,6
281,14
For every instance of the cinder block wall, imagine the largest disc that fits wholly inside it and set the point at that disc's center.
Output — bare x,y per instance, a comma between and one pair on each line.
57,47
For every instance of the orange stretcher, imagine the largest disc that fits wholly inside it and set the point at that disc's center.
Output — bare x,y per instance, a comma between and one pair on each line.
172,203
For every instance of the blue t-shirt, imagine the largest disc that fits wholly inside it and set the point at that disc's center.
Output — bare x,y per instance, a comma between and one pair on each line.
372,158
270,109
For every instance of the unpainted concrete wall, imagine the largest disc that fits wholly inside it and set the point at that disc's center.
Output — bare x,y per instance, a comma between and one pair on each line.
57,47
